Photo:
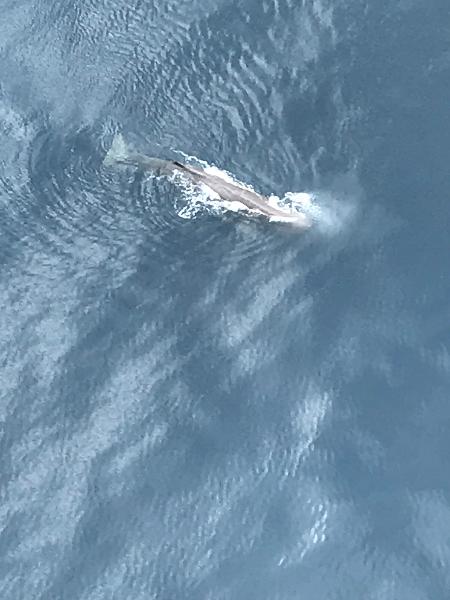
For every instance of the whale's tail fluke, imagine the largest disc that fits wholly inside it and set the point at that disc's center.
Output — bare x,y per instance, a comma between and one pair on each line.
121,153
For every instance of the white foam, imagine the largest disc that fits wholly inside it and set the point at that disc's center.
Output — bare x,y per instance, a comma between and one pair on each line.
321,210
296,220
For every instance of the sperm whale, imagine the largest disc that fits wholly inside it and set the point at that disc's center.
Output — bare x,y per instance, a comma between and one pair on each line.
227,190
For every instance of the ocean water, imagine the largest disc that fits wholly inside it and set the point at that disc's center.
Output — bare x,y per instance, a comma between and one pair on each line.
197,403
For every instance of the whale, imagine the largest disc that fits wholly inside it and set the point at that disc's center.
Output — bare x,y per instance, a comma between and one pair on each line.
227,189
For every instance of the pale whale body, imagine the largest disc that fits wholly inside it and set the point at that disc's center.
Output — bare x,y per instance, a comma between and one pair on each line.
227,190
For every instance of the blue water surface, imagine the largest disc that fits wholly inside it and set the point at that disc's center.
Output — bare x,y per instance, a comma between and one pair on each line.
219,407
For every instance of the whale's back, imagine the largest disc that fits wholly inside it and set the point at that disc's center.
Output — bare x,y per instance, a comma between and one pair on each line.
229,190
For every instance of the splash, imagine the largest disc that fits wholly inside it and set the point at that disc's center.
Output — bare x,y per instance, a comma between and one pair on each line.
326,213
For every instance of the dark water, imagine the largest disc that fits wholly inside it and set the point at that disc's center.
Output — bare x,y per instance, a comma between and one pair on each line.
222,408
